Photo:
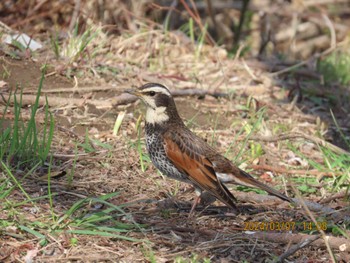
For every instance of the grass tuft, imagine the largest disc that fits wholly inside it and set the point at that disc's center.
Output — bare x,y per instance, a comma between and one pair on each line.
76,46
24,145
335,67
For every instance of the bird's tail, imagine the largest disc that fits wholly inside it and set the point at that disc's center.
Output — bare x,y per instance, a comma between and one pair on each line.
247,180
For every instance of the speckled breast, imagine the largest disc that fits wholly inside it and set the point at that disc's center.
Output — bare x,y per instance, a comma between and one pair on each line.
155,148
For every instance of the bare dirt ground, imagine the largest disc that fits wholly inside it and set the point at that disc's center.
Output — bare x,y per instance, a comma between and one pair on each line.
284,151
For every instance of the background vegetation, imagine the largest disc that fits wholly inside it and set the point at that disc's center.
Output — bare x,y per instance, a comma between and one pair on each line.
265,82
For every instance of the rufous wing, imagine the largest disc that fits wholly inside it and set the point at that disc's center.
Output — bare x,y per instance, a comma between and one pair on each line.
199,169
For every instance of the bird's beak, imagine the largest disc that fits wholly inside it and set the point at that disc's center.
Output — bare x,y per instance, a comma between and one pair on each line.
133,92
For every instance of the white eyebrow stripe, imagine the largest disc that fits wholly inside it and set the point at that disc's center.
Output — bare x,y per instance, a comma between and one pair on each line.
157,89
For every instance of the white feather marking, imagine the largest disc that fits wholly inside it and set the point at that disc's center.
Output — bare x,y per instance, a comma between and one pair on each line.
157,115
157,89
149,101
225,178
229,178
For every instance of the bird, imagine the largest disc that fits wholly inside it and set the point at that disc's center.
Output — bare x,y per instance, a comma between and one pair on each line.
180,154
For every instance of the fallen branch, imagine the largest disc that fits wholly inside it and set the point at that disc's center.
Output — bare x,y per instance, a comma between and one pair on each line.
74,90
339,195
283,170
122,99
57,101
338,243
287,136
332,214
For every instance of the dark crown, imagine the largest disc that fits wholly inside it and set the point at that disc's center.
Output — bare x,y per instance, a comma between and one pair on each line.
153,85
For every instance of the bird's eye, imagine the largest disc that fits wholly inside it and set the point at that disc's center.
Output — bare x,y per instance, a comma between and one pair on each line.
152,93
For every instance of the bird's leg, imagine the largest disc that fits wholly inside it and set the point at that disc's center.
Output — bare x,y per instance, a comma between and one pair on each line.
196,201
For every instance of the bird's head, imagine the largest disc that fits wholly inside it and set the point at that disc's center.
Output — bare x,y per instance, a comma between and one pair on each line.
159,102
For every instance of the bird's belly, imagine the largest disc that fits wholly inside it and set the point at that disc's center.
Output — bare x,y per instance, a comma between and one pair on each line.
158,156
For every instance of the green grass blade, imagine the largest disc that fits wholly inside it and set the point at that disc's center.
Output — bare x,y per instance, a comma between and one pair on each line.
14,179
31,131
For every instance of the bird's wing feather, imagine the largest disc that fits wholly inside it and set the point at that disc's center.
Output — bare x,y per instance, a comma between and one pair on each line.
229,173
198,168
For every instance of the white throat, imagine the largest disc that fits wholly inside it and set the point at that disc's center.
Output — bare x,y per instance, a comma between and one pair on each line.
157,115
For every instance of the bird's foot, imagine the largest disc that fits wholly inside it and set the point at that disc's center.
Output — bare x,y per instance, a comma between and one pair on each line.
195,203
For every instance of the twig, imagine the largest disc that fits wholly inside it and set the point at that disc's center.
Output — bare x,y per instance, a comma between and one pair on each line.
122,99
305,62
311,138
323,234
187,90
333,215
75,89
338,243
241,21
304,243
5,28
27,20
166,22
59,101
74,18
332,30
211,11
197,19
268,66
310,3
284,170
246,67
68,131
339,195
127,98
